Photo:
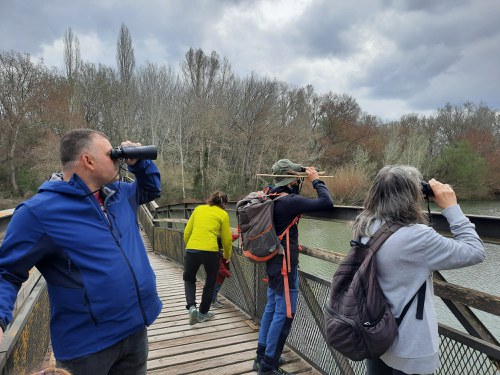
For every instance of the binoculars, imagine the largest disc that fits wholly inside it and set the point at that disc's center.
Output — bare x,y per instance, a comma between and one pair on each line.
134,152
426,189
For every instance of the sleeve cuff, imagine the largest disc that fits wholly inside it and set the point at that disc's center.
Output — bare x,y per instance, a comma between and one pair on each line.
316,182
141,164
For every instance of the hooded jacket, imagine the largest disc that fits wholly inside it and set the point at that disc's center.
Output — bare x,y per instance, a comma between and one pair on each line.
101,285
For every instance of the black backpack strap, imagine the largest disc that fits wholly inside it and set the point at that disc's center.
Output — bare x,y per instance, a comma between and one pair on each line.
420,304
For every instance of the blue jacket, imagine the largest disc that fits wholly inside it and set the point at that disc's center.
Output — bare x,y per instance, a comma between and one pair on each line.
101,285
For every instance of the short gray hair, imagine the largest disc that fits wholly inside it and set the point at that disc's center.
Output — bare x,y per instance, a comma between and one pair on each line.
75,142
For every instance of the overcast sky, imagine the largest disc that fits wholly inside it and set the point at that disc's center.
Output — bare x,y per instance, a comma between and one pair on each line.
393,56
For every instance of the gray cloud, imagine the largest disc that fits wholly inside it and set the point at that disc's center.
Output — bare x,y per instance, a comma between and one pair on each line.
393,56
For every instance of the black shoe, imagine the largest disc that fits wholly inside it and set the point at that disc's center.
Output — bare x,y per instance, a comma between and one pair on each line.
256,363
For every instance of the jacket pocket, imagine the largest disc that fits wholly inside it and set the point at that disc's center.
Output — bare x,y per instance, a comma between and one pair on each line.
87,303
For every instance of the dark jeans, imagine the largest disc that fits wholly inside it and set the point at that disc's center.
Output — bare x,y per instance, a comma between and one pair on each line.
275,325
217,288
126,357
378,367
192,262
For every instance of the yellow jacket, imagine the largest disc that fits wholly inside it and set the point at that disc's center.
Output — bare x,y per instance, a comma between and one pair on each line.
203,227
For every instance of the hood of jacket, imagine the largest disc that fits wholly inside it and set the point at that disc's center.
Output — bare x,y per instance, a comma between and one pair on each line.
75,186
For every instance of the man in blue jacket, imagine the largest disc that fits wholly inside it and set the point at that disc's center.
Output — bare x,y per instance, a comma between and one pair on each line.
276,324
80,230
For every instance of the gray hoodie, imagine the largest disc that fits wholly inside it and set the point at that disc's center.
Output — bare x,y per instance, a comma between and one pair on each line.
404,262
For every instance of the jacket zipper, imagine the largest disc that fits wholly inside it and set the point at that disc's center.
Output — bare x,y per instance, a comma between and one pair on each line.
117,241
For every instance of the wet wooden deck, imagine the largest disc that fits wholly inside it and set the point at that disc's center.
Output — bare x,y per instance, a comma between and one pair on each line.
224,345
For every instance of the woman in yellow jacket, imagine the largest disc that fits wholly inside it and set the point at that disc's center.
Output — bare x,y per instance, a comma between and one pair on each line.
200,235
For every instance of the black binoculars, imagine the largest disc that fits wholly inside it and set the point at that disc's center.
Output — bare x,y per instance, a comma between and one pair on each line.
426,189
134,152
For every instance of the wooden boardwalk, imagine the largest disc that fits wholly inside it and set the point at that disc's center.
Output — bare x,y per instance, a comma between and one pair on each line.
224,345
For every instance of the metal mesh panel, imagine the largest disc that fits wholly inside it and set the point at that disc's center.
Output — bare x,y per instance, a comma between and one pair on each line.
306,335
457,358
240,287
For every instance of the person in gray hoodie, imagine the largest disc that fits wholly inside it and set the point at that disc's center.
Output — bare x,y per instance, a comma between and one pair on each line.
408,258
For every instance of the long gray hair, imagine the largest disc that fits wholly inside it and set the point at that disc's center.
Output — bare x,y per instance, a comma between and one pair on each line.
395,197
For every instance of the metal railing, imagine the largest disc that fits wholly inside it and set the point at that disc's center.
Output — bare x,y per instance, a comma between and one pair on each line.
26,341
474,352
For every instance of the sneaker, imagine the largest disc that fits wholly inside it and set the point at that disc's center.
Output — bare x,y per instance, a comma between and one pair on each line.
204,317
217,305
279,371
193,315
256,363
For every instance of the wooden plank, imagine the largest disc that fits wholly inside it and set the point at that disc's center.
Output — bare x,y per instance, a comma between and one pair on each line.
170,341
207,366
469,297
174,335
196,345
208,354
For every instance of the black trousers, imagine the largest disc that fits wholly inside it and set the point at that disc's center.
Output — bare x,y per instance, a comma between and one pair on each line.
192,262
378,367
126,357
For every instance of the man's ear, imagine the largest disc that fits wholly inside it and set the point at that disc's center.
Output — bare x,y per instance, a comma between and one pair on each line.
88,161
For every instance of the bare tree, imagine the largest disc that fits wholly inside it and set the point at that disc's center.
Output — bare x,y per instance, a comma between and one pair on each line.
72,60
156,87
125,55
98,93
22,99
201,71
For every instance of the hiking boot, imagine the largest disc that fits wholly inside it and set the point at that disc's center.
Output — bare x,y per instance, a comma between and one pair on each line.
217,305
204,317
193,315
256,363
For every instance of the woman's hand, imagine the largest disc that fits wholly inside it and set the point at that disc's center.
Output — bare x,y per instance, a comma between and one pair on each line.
444,196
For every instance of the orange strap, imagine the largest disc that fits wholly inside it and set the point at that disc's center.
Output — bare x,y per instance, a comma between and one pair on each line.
287,267
287,290
286,233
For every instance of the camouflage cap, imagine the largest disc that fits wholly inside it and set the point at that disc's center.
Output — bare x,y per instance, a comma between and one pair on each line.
285,166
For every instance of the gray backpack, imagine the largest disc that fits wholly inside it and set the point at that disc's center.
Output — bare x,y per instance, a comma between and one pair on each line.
358,320
256,226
